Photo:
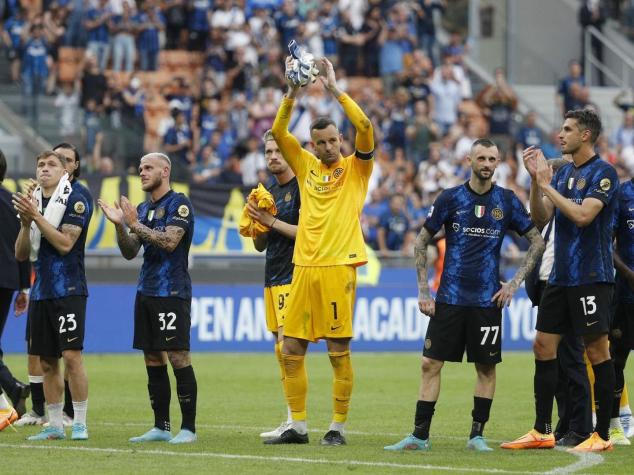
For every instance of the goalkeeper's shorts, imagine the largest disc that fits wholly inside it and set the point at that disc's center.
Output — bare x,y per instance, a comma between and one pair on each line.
321,302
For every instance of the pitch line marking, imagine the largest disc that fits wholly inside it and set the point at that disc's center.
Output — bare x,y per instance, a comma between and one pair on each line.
264,458
585,461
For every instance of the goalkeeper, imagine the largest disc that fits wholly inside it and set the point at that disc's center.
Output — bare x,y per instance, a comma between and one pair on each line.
328,248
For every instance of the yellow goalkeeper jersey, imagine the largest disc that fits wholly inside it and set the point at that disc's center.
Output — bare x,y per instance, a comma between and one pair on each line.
329,231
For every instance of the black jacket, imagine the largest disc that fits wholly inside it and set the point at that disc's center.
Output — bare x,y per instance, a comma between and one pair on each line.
13,274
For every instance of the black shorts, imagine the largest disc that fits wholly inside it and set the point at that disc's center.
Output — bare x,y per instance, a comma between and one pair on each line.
454,328
582,310
161,323
622,329
56,325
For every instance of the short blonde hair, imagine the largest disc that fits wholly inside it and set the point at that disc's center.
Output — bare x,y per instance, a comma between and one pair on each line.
268,135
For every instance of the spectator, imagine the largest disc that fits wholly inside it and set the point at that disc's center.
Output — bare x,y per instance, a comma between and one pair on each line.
592,13
390,57
426,27
208,122
35,66
13,38
54,28
371,215
529,135
208,168
624,100
263,111
393,233
67,102
231,174
371,30
287,20
175,21
122,28
434,174
98,34
420,133
349,45
216,57
177,143
133,122
447,98
149,22
571,89
240,73
498,103
227,16
199,19
329,20
253,162
180,90
92,125
623,136
93,82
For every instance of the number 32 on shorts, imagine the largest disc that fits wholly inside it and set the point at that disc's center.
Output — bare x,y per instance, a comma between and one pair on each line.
167,321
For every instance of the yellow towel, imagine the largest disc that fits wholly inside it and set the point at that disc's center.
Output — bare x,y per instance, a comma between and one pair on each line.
264,200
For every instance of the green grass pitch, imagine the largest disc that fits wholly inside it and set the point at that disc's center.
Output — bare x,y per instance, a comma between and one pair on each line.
240,396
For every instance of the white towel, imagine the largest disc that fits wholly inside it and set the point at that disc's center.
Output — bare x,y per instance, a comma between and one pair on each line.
54,211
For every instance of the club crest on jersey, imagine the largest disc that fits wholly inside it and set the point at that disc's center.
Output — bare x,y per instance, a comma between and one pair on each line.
581,183
160,213
571,182
497,213
479,211
605,184
79,207
337,173
183,211
287,196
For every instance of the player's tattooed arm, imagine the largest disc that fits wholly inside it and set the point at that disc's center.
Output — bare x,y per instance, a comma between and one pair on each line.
425,302
129,243
166,240
534,253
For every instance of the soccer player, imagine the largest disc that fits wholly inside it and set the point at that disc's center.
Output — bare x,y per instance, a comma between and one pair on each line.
328,248
36,414
622,332
164,226
582,196
467,312
54,224
279,243
14,276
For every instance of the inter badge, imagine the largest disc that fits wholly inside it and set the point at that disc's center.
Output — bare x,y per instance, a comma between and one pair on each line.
497,214
605,184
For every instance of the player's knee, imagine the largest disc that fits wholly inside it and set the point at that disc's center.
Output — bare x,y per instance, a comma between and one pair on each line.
72,360
485,371
179,359
49,365
431,366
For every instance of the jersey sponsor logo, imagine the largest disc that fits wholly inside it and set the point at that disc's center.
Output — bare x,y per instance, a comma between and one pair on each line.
161,212
79,207
337,173
183,211
481,232
455,227
630,223
479,211
605,184
581,183
497,213
571,182
288,197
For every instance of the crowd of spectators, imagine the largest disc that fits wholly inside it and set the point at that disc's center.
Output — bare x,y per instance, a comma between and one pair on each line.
417,92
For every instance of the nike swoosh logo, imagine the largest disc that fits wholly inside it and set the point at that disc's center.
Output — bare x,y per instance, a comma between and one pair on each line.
170,338
335,328
68,340
589,324
312,172
494,353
